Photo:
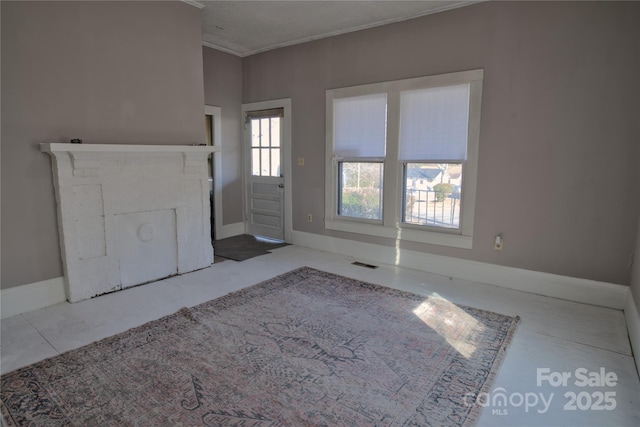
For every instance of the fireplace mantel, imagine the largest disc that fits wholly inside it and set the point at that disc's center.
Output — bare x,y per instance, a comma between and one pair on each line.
54,148
130,214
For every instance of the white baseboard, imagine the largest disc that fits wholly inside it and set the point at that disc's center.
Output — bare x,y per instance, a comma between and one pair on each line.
569,288
230,230
21,299
31,297
632,316
48,292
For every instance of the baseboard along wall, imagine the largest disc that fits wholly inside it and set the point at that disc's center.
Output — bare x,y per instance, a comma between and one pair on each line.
632,316
48,292
33,296
552,285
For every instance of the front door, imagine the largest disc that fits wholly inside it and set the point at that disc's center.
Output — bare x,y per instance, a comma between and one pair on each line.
265,182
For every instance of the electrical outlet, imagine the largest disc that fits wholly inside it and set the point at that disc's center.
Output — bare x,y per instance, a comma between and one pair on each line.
301,163
498,242
309,217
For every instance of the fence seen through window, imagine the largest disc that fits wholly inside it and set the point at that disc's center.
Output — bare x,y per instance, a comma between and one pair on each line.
432,194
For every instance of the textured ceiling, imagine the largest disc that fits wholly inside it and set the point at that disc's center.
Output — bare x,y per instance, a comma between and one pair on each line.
248,27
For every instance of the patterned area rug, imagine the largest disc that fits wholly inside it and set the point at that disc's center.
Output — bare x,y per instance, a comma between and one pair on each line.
305,348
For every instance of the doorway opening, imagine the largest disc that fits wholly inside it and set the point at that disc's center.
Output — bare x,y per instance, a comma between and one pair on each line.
213,134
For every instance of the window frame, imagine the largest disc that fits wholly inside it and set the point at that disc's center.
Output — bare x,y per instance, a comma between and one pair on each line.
392,225
270,147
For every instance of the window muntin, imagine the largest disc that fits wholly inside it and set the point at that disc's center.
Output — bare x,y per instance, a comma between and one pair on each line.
360,190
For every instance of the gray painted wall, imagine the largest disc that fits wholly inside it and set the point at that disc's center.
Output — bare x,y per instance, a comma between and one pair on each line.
635,267
559,131
106,72
635,275
223,88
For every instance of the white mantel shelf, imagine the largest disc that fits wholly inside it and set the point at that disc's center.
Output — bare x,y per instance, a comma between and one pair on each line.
125,148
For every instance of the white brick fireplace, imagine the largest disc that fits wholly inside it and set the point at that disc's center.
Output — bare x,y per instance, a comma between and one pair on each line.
130,214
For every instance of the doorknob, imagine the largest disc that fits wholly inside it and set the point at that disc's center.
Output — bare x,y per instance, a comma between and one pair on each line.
280,185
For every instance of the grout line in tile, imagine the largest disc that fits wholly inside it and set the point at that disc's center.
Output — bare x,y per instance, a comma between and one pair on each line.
41,334
581,343
170,281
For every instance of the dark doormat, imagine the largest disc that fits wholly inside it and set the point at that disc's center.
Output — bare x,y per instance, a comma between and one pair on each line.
244,246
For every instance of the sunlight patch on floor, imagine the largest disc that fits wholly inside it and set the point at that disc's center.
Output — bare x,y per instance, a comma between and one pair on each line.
456,327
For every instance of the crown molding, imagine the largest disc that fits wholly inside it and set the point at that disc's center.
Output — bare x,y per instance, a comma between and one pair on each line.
443,8
222,49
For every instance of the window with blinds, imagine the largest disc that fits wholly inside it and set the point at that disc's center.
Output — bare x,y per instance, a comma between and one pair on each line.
359,149
403,155
434,126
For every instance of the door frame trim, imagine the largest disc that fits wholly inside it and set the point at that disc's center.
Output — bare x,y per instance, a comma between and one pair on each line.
285,104
216,114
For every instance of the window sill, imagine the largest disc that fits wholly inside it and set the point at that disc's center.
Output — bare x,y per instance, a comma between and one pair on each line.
399,233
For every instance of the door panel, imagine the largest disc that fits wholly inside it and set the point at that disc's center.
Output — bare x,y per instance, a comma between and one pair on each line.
266,207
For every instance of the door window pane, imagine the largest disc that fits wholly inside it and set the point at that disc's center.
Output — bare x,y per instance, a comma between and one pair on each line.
265,164
264,132
255,162
255,133
275,162
275,131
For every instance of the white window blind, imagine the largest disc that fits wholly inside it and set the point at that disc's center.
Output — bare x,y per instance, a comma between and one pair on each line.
434,124
360,126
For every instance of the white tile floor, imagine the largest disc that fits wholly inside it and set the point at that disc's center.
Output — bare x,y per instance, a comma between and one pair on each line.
555,334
